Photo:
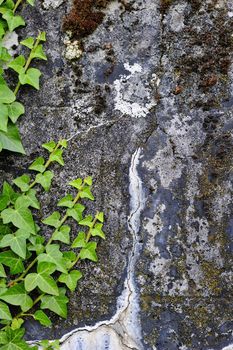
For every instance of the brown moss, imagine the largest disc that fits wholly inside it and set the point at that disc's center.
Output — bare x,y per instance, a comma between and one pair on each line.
84,18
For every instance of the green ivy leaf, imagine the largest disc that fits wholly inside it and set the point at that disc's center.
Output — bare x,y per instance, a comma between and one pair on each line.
5,312
3,117
57,304
42,36
89,252
13,21
46,267
80,241
70,258
3,202
16,323
10,140
76,183
56,156
29,42
3,337
88,180
17,242
53,220
14,262
71,279
45,179
15,110
2,271
18,296
97,231
63,234
42,318
100,216
15,341
18,64
87,221
30,199
66,201
22,182
39,53
76,212
38,165
54,255
31,77
4,54
21,217
9,193
42,280
63,143
50,146
86,193
6,95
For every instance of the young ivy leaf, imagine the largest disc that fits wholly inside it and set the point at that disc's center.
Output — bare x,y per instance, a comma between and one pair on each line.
100,216
76,212
55,256
57,304
63,143
89,252
63,234
80,241
13,21
42,318
31,200
15,110
97,231
76,183
38,165
8,192
53,220
66,201
88,180
39,53
31,77
18,64
6,95
87,221
56,156
45,179
50,146
42,36
29,42
71,279
22,182
16,323
31,2
86,193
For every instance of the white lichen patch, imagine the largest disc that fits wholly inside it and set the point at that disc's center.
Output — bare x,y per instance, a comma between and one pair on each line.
177,18
72,50
133,97
52,3
10,40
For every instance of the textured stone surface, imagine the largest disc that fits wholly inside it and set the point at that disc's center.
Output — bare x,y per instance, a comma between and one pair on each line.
148,111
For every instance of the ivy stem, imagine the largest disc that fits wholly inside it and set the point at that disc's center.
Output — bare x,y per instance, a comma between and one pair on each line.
21,277
87,238
17,5
30,58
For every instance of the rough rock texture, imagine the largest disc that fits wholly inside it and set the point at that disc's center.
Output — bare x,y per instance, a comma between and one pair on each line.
148,111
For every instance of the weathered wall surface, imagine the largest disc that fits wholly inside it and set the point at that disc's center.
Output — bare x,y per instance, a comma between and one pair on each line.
146,101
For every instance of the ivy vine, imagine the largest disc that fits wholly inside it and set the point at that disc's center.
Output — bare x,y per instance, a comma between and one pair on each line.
36,273
10,108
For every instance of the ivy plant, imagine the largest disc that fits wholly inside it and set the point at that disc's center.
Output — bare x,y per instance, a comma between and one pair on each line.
10,108
35,272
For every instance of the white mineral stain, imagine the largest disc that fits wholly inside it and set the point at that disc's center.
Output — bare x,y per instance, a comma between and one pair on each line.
123,330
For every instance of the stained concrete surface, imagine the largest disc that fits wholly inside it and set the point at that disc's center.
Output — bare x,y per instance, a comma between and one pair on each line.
146,101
